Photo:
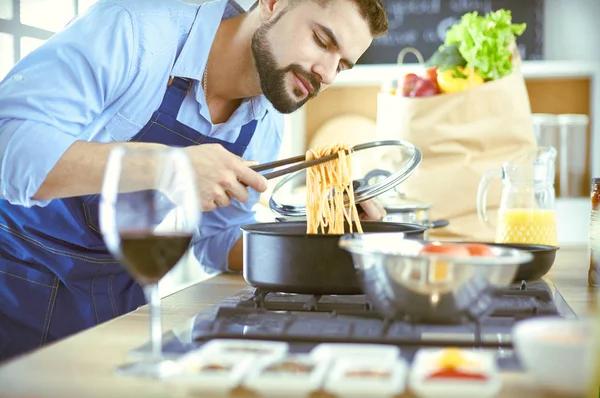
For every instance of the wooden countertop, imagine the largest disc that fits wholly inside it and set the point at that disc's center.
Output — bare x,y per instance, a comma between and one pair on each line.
83,365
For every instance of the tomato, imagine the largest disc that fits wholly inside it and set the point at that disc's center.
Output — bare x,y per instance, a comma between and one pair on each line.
431,74
451,249
479,249
439,270
424,88
410,80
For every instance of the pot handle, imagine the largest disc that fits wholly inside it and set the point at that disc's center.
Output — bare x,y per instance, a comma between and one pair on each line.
376,173
437,224
482,191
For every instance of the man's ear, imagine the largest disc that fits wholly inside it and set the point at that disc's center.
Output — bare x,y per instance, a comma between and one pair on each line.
268,8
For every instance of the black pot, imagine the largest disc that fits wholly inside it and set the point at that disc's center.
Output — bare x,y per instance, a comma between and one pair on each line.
282,257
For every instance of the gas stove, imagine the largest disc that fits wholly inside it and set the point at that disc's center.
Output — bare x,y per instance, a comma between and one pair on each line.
304,321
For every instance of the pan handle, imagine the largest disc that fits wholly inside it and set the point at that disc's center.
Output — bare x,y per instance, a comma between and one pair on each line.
437,224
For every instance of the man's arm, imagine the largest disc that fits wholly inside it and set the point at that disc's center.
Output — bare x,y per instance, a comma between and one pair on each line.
80,171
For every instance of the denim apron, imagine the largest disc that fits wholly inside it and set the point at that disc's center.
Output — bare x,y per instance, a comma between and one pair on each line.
56,275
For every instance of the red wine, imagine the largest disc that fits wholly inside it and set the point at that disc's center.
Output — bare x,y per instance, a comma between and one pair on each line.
149,256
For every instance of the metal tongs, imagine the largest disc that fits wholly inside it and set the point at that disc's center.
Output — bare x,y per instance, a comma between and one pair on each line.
304,163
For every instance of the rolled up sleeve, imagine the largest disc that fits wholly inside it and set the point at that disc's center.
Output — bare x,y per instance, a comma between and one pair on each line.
220,230
51,98
25,166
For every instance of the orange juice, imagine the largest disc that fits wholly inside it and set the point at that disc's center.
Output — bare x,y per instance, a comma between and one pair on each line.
534,226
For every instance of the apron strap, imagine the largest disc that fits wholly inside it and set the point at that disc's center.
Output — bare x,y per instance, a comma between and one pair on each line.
246,133
177,89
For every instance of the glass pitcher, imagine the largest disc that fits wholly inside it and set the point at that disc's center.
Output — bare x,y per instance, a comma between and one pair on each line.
527,212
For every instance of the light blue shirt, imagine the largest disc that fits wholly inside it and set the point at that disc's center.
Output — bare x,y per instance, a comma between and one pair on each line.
102,77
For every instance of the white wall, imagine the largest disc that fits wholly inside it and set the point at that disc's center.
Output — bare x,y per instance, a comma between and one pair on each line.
572,30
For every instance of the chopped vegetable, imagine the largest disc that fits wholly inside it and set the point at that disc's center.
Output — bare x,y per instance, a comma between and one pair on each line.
479,249
368,373
449,373
290,367
452,358
452,249
451,366
439,269
215,368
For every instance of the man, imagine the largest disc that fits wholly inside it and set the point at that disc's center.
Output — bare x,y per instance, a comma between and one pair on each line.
143,73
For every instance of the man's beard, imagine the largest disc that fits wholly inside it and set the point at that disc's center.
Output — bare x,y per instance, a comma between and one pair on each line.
272,79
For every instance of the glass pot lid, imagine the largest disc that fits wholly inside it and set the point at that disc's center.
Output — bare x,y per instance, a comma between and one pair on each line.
378,168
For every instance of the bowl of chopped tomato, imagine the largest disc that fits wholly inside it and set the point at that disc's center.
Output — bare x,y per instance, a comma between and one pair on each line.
425,281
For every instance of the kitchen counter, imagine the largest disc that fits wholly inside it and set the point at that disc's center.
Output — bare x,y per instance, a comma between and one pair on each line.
83,365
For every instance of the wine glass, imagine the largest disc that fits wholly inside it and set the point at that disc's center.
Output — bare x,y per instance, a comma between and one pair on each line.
142,190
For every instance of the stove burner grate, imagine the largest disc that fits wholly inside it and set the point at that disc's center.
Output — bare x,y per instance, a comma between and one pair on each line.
518,302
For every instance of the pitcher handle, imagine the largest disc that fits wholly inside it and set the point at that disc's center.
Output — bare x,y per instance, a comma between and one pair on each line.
482,191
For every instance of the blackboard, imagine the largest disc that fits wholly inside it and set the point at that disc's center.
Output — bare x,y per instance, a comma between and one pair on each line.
423,23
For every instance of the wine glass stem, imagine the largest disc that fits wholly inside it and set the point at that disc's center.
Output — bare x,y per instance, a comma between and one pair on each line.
151,292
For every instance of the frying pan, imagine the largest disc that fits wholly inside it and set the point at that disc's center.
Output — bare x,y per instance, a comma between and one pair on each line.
281,257
543,259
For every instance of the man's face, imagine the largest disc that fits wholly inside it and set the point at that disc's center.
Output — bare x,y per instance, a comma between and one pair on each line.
299,51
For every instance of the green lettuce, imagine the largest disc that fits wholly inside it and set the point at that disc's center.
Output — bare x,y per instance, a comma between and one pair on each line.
485,42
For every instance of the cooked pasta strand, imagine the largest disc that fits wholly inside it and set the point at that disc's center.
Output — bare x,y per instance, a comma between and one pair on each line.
326,185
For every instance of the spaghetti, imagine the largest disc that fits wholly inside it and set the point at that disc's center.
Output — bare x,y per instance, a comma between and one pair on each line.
326,185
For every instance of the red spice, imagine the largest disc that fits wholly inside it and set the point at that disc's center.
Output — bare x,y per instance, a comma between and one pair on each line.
456,374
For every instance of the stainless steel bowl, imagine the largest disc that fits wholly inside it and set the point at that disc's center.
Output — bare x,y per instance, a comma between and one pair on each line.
400,283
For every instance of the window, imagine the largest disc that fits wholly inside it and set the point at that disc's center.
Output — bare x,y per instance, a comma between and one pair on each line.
26,24
48,15
7,58
6,9
84,5
28,44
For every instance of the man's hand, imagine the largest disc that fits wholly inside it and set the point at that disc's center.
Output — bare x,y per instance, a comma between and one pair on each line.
221,176
373,211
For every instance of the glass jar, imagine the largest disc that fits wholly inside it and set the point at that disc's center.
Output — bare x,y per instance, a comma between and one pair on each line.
547,133
594,270
573,158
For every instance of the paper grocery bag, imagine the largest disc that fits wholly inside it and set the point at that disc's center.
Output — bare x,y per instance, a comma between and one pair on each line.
461,136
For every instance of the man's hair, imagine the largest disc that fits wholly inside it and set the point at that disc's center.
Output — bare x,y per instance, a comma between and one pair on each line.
372,10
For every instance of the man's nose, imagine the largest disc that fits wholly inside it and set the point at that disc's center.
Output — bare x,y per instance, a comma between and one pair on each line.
327,70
